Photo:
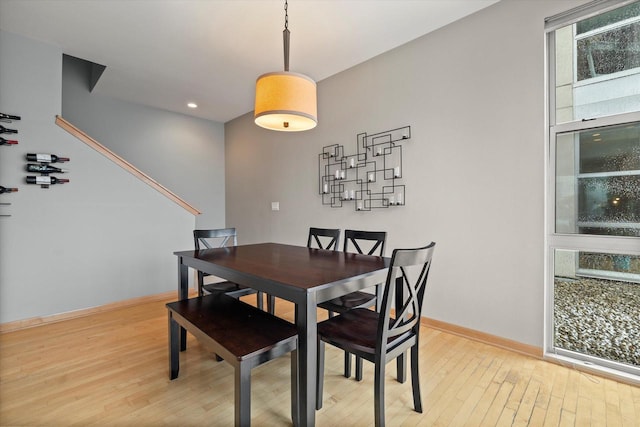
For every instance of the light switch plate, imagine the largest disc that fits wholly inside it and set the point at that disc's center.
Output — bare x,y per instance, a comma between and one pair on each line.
275,206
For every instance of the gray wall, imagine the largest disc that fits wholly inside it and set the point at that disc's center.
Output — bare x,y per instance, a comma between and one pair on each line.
183,153
75,245
473,93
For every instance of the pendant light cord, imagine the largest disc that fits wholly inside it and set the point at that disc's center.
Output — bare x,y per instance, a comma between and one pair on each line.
286,15
285,36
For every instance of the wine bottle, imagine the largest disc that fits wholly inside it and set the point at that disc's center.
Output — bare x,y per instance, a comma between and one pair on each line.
9,117
44,168
46,158
7,141
7,189
45,180
7,130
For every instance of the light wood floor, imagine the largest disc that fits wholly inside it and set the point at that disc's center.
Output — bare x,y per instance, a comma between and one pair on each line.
111,369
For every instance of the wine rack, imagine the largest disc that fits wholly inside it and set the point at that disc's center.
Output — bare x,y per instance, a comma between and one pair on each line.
371,178
7,118
5,204
42,166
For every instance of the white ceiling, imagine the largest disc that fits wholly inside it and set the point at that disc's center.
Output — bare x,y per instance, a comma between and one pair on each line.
165,53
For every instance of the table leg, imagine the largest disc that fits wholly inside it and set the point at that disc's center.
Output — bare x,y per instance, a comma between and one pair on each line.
401,361
183,293
306,320
174,354
295,408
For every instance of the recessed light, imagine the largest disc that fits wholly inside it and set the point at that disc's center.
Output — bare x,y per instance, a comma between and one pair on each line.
192,105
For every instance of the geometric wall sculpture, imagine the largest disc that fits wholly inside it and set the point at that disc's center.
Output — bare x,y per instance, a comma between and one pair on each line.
370,178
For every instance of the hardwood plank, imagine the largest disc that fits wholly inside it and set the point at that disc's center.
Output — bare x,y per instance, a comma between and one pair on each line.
567,419
494,412
629,416
525,409
480,410
583,411
553,413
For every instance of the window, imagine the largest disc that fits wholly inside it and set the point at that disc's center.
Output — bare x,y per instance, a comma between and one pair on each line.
598,181
593,207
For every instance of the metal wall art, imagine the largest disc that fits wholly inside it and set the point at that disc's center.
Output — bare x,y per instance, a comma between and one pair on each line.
369,179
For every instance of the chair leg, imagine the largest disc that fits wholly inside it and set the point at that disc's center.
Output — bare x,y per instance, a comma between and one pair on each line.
271,304
242,395
401,363
378,391
347,364
415,379
259,301
320,375
379,291
200,283
358,368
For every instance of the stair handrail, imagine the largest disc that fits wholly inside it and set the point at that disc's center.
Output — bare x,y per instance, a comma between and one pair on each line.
82,136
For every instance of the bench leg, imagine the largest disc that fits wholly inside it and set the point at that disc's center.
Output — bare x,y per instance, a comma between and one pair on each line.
243,395
358,368
347,364
174,347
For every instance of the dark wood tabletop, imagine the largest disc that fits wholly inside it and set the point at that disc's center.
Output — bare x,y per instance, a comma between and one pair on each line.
288,268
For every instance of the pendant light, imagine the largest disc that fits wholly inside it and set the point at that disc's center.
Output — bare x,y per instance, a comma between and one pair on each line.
286,101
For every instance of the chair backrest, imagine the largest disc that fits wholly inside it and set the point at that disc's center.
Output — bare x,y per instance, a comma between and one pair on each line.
330,238
408,273
370,240
216,238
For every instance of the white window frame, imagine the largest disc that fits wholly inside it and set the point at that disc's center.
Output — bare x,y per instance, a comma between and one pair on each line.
580,242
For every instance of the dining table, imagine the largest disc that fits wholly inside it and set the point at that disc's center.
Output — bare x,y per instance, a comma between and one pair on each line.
301,275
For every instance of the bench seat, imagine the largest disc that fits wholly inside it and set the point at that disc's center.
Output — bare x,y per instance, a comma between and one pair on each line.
242,335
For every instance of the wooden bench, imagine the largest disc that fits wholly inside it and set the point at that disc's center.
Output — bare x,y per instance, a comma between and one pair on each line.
242,335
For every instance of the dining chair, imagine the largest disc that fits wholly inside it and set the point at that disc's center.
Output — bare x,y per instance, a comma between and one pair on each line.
377,336
362,242
323,238
218,238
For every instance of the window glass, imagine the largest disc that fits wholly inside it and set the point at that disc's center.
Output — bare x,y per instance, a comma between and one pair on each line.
616,148
598,181
597,64
596,299
606,19
608,52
